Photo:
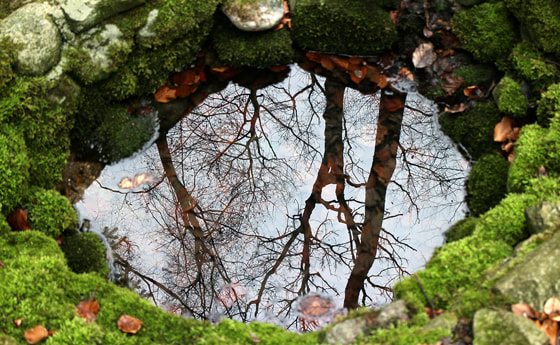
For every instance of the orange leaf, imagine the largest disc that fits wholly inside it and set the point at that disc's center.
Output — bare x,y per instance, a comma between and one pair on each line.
457,108
358,75
186,77
18,220
340,63
314,56
550,328
183,91
391,104
473,91
503,129
552,305
374,76
451,83
129,324
165,94
327,63
88,309
523,309
507,146
35,334
278,68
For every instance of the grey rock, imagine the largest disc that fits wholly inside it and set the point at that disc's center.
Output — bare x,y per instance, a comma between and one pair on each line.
536,278
346,332
32,26
392,313
493,327
84,14
545,217
254,15
444,321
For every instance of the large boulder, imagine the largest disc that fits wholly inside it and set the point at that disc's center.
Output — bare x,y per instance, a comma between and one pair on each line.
254,15
536,278
492,327
83,14
545,217
32,27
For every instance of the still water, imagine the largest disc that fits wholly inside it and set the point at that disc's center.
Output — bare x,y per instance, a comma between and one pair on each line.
247,161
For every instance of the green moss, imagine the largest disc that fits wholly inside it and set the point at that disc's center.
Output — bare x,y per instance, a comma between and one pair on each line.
486,30
461,229
487,183
506,222
404,334
531,65
355,27
238,48
542,20
14,168
474,74
548,105
510,99
536,147
50,212
474,129
8,58
85,253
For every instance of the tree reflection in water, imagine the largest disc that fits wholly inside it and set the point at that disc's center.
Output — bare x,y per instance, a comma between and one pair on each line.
261,195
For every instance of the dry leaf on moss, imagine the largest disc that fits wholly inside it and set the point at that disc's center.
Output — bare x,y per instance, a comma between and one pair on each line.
129,324
35,334
88,309
523,309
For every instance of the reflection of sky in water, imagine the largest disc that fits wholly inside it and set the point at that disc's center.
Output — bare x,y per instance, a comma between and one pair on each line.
420,227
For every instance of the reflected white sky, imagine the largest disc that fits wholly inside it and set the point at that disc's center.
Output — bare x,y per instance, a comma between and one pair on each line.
421,226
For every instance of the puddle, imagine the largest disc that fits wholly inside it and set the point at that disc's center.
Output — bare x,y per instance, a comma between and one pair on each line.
248,174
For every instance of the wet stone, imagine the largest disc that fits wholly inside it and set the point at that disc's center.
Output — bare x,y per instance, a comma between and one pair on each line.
255,15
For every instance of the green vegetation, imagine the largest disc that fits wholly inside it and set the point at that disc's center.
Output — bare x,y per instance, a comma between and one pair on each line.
487,183
355,27
405,334
474,74
474,129
461,229
85,253
510,99
14,168
237,48
531,65
548,105
486,30
542,20
50,212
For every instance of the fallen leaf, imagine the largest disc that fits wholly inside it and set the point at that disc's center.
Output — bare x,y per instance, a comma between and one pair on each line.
327,63
358,75
473,91
18,220
503,129
254,337
314,56
394,16
35,334
165,94
185,77
278,68
552,305
391,104
17,322
405,73
451,83
507,146
424,55
457,108
427,32
354,60
523,309
340,63
88,309
375,76
183,91
129,324
514,135
550,328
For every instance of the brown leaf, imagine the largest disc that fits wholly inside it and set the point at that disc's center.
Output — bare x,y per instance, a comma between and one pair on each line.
129,324
183,91
507,146
340,63
314,56
88,309
391,104
451,83
552,305
457,108
550,328
424,55
358,75
523,309
375,76
473,91
327,63
278,68
18,220
503,129
35,334
17,322
254,337
514,135
185,77
165,94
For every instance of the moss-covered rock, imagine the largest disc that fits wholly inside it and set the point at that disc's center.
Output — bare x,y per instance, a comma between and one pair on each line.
85,253
14,168
50,212
8,57
542,20
461,229
354,27
494,327
509,98
531,65
475,74
474,129
548,105
486,30
487,185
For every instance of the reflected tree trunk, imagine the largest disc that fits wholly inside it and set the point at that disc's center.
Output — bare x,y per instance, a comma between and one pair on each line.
383,165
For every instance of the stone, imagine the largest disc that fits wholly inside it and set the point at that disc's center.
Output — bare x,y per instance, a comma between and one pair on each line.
444,321
83,14
392,313
31,25
251,15
346,332
545,217
536,278
492,327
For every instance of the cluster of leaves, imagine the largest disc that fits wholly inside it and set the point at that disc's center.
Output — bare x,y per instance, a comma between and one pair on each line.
547,320
354,27
487,183
486,30
50,212
85,253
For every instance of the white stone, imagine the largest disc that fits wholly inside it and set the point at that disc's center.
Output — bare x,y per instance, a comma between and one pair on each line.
255,16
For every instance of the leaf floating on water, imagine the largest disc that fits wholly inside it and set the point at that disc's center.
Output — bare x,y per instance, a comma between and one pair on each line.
35,334
131,183
88,309
129,324
424,55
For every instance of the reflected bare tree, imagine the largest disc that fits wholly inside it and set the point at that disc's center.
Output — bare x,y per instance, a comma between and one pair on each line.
238,238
